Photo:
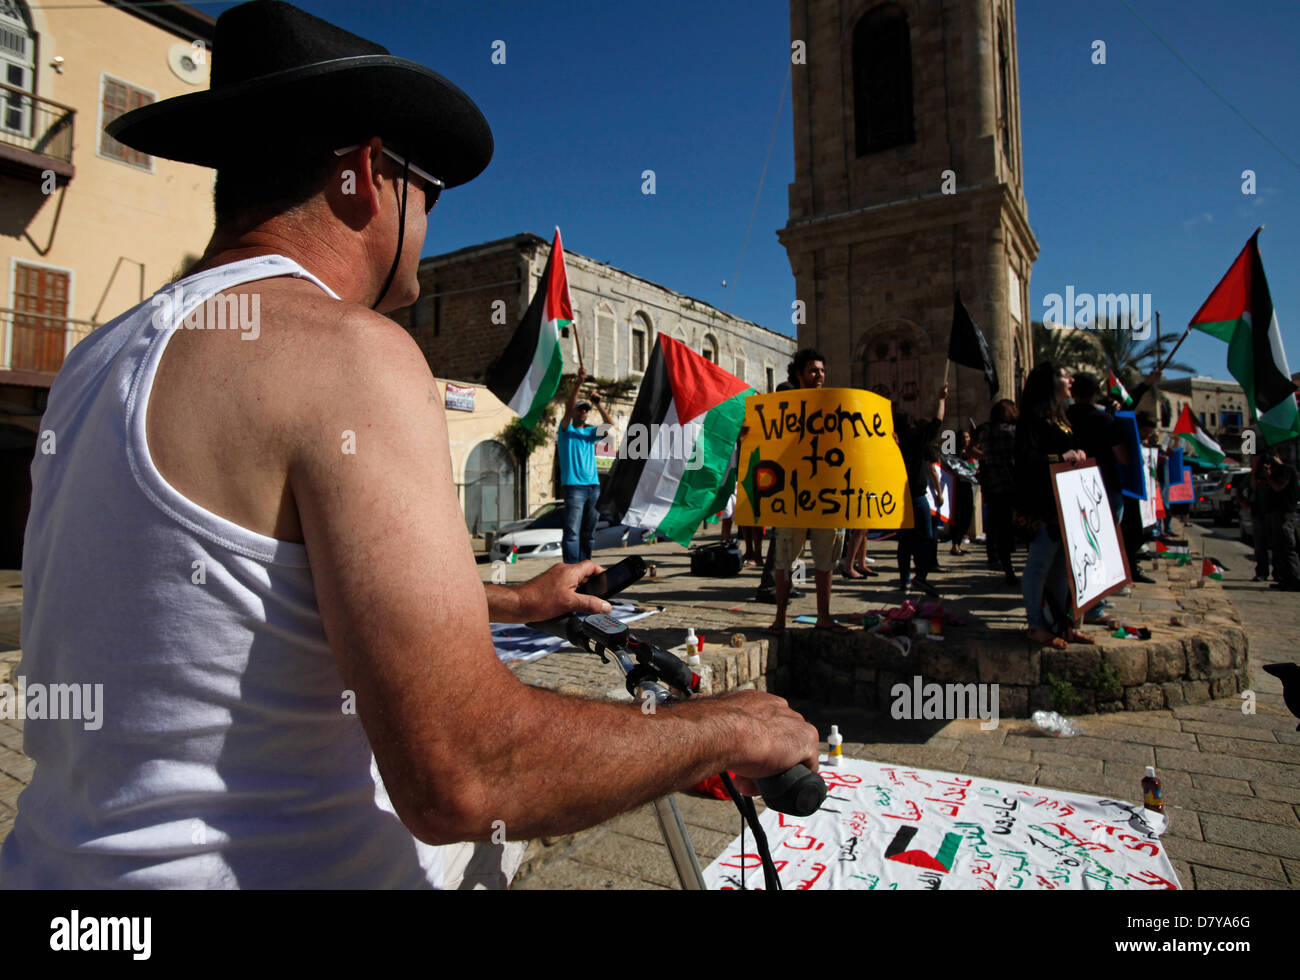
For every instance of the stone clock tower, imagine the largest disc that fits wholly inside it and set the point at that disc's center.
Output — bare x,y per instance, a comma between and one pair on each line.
908,185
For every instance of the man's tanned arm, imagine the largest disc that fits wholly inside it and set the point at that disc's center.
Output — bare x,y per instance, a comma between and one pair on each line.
460,742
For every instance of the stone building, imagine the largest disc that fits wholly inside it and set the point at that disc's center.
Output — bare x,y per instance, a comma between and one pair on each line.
908,185
471,301
1220,406
88,227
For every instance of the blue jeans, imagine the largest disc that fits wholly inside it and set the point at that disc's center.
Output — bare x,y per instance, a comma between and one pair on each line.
579,521
1045,574
917,542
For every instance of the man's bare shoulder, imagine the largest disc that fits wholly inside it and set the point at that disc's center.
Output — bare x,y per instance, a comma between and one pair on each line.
323,354
336,336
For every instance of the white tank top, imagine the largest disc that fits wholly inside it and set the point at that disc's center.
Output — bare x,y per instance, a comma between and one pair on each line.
224,757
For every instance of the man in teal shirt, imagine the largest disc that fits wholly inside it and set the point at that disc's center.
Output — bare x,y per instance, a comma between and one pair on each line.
578,481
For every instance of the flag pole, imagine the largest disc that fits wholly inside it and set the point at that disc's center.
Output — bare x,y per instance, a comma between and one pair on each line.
578,344
1175,350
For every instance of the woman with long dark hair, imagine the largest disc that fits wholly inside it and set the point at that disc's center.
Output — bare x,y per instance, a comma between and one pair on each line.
1044,438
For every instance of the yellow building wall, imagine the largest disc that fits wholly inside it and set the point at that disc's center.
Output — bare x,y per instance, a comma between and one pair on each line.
156,218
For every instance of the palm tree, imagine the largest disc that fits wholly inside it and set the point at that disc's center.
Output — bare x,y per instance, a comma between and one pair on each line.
1128,357
1063,346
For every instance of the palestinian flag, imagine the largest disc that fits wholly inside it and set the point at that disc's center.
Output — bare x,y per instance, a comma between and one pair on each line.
1212,569
1196,438
1240,312
527,374
513,557
675,467
1172,551
1117,389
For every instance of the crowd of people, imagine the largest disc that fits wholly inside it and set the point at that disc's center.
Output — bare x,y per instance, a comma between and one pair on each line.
1060,417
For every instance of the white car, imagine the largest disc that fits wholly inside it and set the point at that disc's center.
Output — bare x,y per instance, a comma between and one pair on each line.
541,534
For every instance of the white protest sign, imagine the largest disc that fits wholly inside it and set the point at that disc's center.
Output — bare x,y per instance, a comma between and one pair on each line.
1093,554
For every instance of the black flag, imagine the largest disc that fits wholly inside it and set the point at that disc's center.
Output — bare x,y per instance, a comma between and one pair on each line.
967,345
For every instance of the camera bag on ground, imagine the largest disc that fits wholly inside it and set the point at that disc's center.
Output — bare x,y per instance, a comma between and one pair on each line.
716,560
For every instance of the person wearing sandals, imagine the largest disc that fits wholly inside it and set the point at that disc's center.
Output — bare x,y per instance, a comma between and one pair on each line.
808,370
1044,438
854,565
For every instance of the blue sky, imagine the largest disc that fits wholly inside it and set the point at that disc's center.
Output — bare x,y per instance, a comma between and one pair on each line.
1132,168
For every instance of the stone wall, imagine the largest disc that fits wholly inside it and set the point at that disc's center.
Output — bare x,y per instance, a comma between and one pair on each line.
1201,654
472,300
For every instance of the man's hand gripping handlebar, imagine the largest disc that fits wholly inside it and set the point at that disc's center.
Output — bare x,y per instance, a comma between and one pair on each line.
798,791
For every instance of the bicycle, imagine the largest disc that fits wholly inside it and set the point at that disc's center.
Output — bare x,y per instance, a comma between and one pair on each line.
653,675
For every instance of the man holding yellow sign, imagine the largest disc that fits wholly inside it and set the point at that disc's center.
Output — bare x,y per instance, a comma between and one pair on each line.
815,460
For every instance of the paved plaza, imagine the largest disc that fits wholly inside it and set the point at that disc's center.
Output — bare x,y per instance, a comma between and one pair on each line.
1231,780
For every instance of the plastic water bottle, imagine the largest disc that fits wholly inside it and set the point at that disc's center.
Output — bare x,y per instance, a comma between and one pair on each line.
834,743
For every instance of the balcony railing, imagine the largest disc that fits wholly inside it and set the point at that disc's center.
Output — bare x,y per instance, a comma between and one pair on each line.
35,133
36,343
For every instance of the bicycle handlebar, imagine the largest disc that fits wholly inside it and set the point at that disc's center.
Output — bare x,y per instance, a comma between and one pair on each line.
798,791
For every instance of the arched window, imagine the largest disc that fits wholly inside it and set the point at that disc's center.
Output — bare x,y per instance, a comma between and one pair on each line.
490,480
1004,93
643,341
891,362
882,80
710,349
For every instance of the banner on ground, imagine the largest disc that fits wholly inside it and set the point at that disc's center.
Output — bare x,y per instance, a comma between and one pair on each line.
1093,553
885,827
821,457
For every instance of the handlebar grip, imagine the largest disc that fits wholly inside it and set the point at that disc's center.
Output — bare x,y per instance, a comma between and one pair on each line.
798,791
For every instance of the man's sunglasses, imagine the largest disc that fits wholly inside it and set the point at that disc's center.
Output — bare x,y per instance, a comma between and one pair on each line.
432,185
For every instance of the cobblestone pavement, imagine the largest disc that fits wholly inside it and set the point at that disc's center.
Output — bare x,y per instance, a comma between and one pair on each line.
1231,779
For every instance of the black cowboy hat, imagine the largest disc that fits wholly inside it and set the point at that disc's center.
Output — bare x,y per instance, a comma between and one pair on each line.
282,78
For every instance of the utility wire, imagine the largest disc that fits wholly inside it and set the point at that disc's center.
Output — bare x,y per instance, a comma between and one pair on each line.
763,176
1215,92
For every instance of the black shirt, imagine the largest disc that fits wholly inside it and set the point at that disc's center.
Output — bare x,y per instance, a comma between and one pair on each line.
1041,441
913,440
1098,434
1286,500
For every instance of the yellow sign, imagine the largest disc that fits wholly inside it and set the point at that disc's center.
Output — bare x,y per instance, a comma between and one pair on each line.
821,457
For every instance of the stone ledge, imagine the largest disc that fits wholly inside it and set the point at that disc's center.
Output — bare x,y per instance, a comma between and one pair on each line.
1194,655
